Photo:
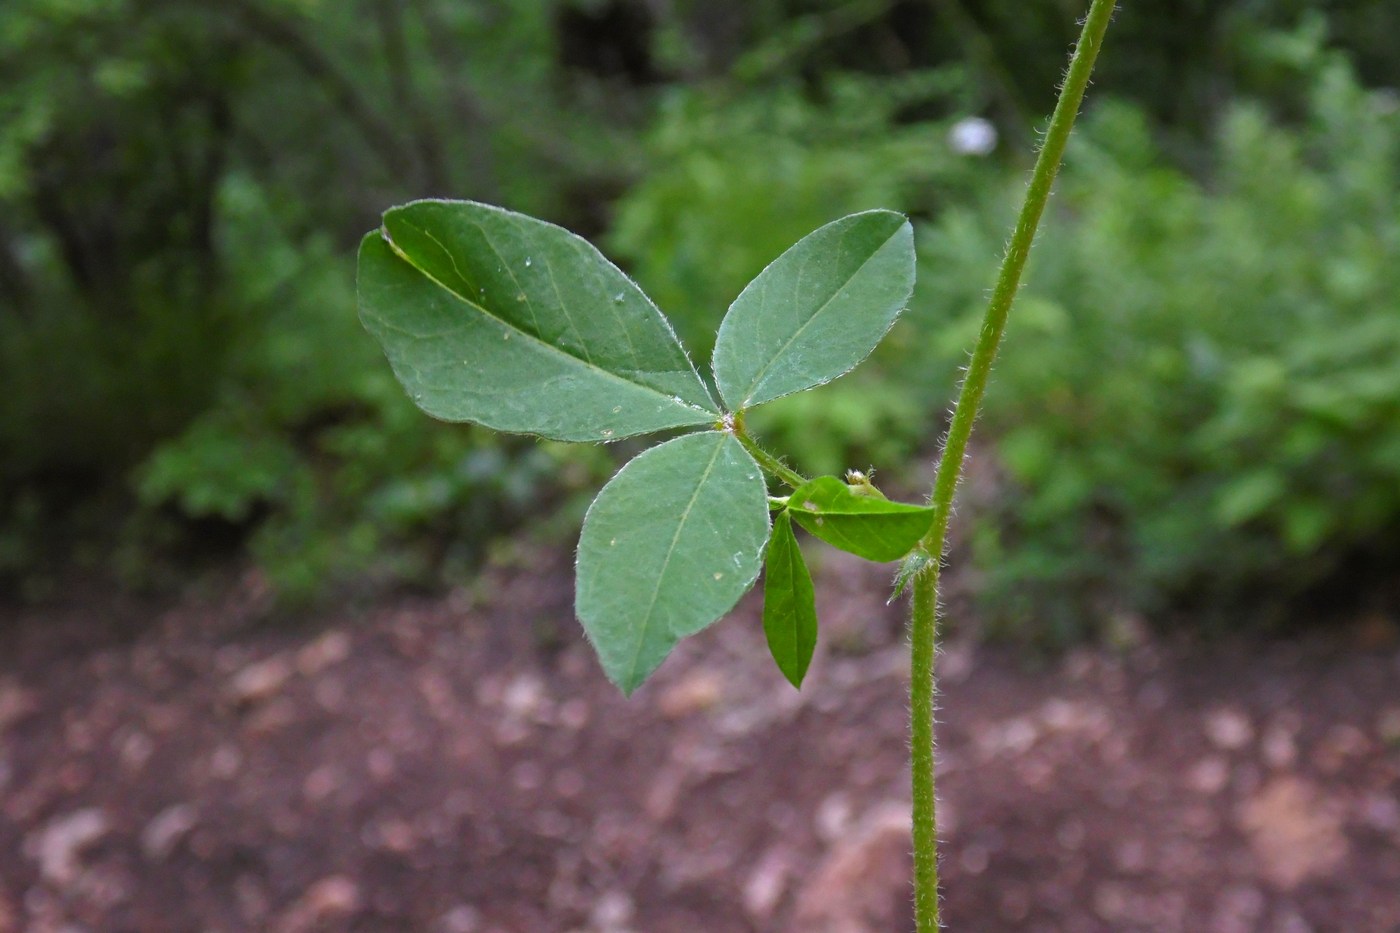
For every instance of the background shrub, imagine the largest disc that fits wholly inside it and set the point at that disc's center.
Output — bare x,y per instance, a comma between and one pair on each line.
1199,405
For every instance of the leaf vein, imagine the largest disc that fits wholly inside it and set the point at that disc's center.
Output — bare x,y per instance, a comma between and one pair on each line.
762,373
560,351
666,562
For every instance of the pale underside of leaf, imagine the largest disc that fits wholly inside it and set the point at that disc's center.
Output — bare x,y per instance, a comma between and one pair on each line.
668,547
817,310
500,319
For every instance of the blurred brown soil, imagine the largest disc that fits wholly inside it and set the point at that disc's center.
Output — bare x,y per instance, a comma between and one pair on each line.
459,765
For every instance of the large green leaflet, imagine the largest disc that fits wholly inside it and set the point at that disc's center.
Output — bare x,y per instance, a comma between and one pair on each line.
817,310
789,603
670,544
869,526
494,317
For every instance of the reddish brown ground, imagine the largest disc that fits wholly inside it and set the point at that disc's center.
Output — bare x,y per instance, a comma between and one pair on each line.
459,765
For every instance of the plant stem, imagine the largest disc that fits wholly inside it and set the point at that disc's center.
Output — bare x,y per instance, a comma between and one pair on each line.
766,460
921,691
923,623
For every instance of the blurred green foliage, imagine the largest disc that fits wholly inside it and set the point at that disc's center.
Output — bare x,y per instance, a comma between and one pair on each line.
182,186
1196,407
742,176
1199,406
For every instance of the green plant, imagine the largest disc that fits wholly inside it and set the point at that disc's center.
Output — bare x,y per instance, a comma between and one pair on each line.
496,318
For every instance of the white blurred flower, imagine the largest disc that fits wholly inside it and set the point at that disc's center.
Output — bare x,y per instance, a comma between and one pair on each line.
972,136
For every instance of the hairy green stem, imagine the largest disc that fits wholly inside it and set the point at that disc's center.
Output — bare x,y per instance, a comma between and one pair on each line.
921,690
766,460
923,623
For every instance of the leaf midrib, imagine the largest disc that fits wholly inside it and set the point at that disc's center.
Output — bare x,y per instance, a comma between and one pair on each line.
587,364
762,373
790,597
666,563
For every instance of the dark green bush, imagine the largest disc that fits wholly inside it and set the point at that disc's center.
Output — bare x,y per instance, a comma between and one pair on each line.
1199,401
313,450
181,188
371,500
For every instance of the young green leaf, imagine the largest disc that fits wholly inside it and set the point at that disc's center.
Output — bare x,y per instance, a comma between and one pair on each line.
874,528
789,603
501,319
914,563
670,544
817,310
